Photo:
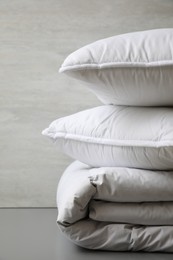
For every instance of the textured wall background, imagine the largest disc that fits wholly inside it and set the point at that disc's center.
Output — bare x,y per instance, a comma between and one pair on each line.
36,36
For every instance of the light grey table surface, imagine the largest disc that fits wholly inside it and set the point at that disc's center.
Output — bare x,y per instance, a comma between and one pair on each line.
32,234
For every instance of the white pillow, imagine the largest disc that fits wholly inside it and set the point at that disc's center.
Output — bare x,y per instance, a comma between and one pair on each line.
129,69
117,136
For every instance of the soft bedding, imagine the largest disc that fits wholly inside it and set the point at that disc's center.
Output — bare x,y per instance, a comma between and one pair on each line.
120,136
118,209
133,69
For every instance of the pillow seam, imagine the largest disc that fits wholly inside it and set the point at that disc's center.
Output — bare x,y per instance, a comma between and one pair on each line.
104,141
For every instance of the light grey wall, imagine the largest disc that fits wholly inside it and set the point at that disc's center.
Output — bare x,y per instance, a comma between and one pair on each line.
36,36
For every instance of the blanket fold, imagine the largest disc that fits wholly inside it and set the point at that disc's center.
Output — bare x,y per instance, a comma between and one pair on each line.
116,209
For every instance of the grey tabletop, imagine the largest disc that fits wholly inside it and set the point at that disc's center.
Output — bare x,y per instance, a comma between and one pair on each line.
27,234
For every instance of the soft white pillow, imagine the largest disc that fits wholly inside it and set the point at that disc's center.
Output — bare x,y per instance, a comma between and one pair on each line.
117,136
129,69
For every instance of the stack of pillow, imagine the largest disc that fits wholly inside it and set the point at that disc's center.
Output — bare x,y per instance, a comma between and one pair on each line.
118,195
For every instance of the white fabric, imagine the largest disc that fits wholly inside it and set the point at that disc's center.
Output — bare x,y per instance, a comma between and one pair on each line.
144,213
82,188
117,136
120,237
130,69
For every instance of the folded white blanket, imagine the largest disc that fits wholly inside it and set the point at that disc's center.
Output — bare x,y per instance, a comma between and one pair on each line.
158,213
116,209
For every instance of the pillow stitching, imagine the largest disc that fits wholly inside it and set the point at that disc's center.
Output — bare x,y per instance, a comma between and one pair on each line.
93,65
105,141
